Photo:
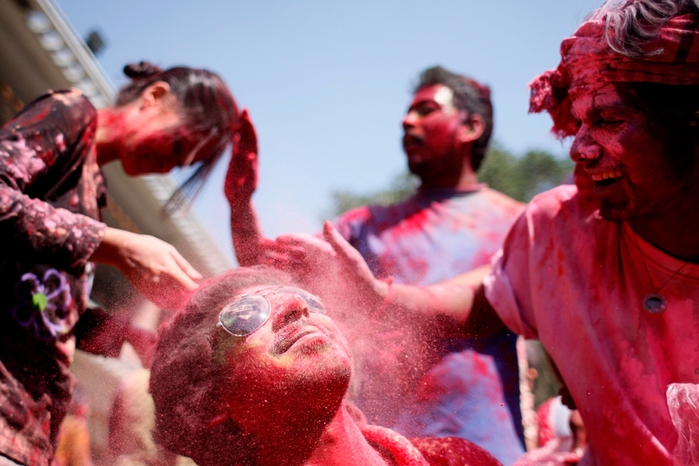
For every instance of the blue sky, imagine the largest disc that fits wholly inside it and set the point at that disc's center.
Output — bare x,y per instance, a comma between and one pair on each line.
327,81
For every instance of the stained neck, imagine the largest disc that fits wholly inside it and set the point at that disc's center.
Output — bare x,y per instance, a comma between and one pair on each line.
338,443
675,230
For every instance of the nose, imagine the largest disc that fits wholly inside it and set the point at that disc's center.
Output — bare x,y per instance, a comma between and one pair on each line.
289,308
584,146
410,120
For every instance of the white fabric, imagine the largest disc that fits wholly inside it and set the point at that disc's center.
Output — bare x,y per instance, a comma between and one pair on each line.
576,282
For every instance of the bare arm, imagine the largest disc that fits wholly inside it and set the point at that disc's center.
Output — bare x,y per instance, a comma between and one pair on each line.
155,268
241,183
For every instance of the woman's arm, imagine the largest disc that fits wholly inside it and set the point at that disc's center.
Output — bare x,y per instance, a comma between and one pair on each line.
41,148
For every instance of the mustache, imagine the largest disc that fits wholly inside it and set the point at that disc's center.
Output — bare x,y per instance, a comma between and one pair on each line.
409,138
291,334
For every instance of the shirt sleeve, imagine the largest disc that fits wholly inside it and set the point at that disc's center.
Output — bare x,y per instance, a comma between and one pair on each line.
508,285
350,223
40,149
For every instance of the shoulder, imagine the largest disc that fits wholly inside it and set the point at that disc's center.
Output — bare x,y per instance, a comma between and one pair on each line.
453,451
558,204
63,108
63,99
358,214
392,446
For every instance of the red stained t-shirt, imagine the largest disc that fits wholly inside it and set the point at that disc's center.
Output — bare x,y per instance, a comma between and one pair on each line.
422,383
577,282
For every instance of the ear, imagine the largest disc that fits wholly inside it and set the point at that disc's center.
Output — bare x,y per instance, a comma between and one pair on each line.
472,128
155,94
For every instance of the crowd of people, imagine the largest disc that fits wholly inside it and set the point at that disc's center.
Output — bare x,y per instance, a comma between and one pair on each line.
391,336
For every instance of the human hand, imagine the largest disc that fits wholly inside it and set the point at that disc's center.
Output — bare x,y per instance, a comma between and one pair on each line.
155,268
242,175
353,268
311,260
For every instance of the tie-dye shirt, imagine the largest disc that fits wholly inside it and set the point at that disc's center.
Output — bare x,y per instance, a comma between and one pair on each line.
438,386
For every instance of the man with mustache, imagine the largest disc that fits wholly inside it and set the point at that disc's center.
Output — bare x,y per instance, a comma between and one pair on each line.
452,224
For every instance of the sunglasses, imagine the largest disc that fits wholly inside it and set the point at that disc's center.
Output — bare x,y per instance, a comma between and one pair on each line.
248,313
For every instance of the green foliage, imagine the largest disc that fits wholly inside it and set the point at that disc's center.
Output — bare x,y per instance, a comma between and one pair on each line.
400,188
525,177
519,177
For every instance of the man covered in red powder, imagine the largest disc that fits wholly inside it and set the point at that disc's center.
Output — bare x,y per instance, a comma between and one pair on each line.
254,372
610,287
452,224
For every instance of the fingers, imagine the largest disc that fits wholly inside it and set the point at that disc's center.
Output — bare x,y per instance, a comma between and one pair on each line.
187,268
338,243
248,135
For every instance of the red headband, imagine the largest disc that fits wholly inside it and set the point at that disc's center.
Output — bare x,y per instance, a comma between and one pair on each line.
587,63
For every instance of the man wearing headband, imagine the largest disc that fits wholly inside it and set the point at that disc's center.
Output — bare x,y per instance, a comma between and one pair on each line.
441,385
605,274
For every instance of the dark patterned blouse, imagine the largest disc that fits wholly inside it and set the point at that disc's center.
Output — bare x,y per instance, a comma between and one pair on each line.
51,190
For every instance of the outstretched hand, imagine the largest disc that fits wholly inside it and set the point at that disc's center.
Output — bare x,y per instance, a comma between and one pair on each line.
325,267
241,178
155,268
354,267
311,260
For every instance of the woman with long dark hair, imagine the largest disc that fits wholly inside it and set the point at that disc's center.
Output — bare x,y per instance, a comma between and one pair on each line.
51,190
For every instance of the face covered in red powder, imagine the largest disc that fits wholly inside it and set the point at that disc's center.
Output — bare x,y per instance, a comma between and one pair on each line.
297,361
431,129
158,140
623,156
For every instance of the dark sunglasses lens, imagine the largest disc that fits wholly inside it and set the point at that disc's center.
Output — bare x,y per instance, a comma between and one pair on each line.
245,315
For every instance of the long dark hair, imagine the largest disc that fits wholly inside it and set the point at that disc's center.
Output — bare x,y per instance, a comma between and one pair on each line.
207,106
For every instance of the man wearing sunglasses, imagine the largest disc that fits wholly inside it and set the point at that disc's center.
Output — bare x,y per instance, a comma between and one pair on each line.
440,385
255,372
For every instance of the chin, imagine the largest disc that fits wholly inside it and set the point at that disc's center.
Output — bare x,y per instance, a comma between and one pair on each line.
615,213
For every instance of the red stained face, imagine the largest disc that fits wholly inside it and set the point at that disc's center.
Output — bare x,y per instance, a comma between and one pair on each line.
157,141
430,131
295,354
623,158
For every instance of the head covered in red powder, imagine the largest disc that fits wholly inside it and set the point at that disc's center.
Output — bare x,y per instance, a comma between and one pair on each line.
447,127
628,41
169,118
627,88
218,396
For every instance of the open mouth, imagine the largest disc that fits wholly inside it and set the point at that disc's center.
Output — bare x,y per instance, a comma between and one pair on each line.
410,141
606,178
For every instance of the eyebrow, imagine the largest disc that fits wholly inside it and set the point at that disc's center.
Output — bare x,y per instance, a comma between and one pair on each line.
423,101
597,110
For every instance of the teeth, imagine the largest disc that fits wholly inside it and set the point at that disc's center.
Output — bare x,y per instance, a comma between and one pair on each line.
612,174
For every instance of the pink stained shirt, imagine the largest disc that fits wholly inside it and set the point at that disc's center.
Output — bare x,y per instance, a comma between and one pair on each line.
577,282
